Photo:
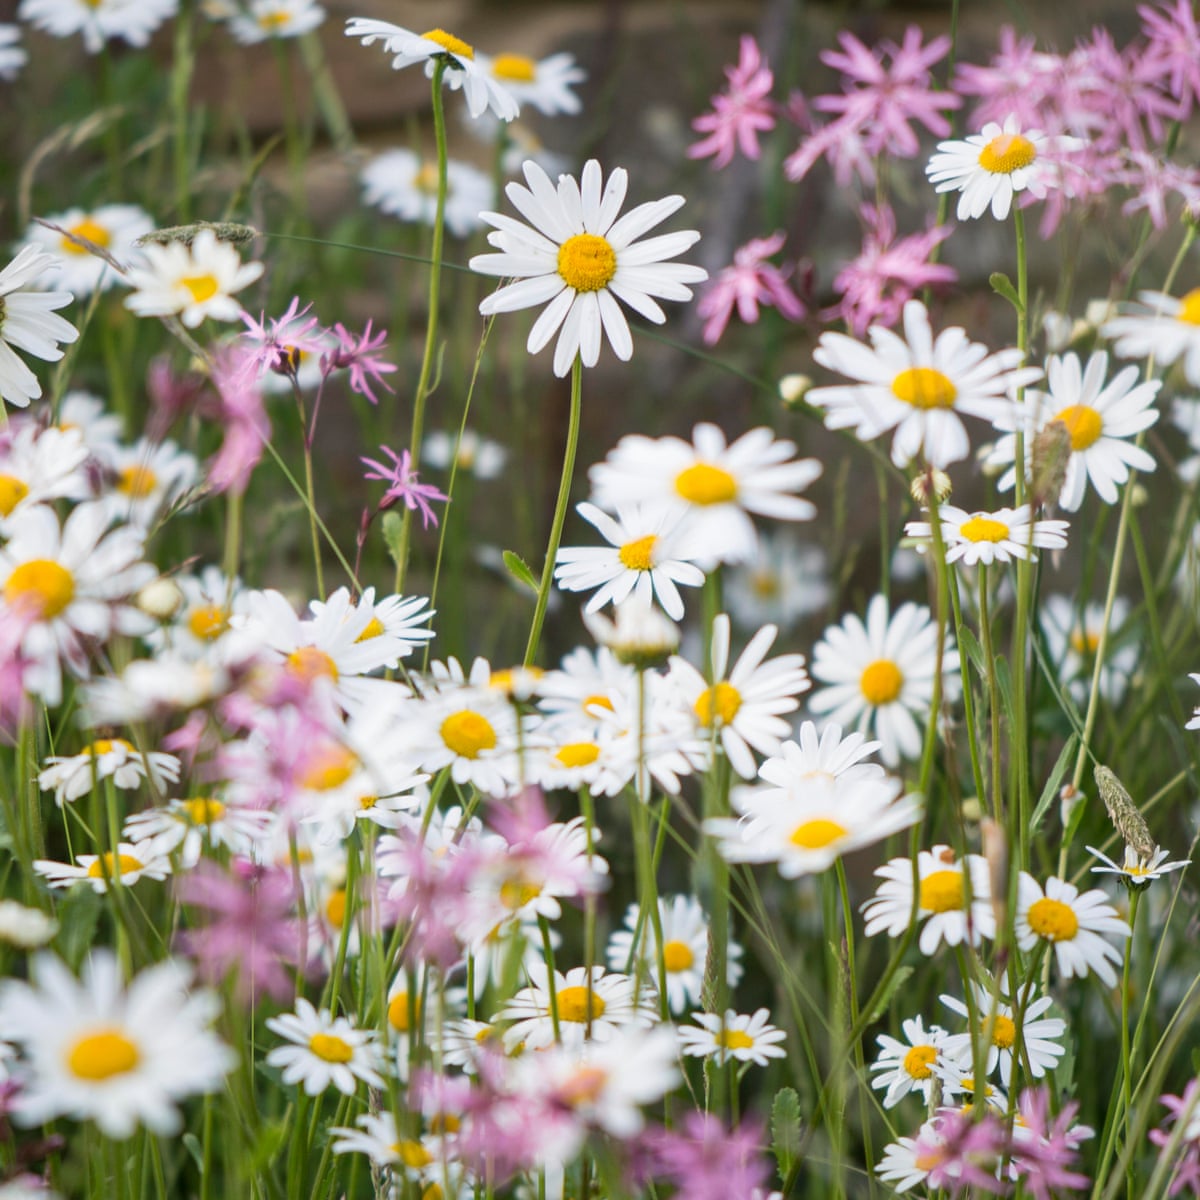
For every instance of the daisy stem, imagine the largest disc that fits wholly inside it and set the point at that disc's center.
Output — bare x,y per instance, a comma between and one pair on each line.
435,287
1126,1050
182,66
989,657
310,495
233,534
560,511
551,984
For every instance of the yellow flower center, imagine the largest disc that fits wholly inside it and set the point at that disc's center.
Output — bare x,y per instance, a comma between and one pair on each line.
441,1123
398,1015
450,43
918,1062
426,179
208,622
1007,153
12,492
817,834
765,585
331,1048
1053,920
702,483
587,262
1189,308
1002,1030
106,746
718,703
881,682
273,20
137,482
103,1054
309,664
372,629
942,891
516,893
638,555
1084,641
41,585
203,810
413,1154
577,754
733,1039
102,868
91,230
1084,424
573,1005
335,907
329,767
201,287
591,702
983,529
678,956
924,387
516,67
468,734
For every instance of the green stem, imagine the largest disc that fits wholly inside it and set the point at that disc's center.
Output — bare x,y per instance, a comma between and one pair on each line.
1126,1049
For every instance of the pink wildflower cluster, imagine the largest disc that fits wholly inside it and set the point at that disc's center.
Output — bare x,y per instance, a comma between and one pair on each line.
744,285
704,1159
740,113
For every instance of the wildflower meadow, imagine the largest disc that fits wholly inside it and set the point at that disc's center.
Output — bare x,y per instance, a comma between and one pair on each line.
599,601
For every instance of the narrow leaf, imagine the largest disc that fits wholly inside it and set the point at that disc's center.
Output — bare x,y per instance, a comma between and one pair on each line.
1002,286
518,568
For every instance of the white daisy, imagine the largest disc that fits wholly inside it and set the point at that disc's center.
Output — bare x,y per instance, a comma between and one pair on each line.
586,684
1135,870
1163,327
191,282
265,19
189,827
880,675
25,927
720,483
324,1050
119,1055
544,83
901,1166
127,865
148,479
111,227
941,899
576,257
72,776
98,21
1072,639
471,452
743,707
784,582
908,1065
991,537
746,1038
1037,1041
28,322
1101,418
39,465
403,184
102,431
917,385
992,166
479,87
398,622
12,55
1071,923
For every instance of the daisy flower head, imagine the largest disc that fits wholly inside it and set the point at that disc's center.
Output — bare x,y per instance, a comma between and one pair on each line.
403,184
1101,418
991,537
943,905
907,1065
121,1055
190,281
785,581
1071,922
266,19
1040,1036
111,227
126,866
1072,639
989,168
742,1037
39,465
879,675
324,1050
544,83
579,258
479,87
719,482
918,385
72,776
469,451
99,21
644,559
1137,871
1162,326
29,322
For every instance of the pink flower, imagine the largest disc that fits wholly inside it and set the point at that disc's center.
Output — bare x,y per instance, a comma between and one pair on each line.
403,485
740,113
888,273
964,1152
842,143
1016,82
1153,182
242,414
749,282
14,702
704,1160
1043,1151
279,348
1183,1141
1173,50
356,353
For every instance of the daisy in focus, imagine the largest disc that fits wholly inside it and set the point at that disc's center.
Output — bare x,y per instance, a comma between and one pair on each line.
1136,870
991,167
917,385
29,322
909,1065
123,1056
111,227
190,281
578,258
1071,923
1102,419
990,537
403,184
324,1050
879,675
99,21
1164,327
1039,1036
743,1038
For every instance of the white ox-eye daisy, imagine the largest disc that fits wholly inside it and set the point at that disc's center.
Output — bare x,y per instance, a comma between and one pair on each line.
1136,870
643,558
1164,327
880,674
1102,419
403,184
148,479
784,582
74,775
189,827
265,19
126,865
1072,639
720,483
1070,922
578,258
324,1050
119,1055
190,281
744,1037
39,465
110,227
545,83
990,537
909,1065
29,322
99,21
917,385
479,87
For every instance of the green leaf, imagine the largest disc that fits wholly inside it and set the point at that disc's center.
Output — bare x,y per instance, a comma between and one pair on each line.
518,568
393,523
192,1144
970,643
1002,286
785,1130
1050,791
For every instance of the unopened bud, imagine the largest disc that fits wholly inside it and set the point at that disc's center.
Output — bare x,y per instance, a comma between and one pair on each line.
793,389
1124,814
641,636
161,599
931,482
972,810
1069,799
1139,496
